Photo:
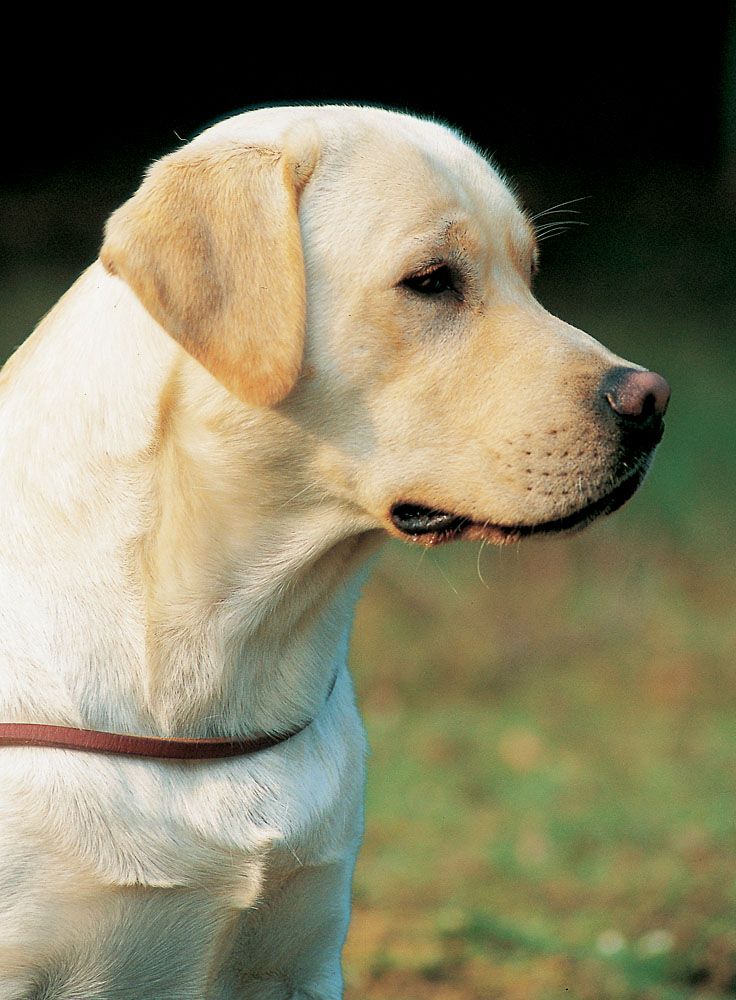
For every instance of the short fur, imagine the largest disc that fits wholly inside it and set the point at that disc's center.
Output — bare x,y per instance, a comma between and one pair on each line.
201,444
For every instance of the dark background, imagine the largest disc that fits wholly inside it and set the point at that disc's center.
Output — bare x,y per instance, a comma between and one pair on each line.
634,116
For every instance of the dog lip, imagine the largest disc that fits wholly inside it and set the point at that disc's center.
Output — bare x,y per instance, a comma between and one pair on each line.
606,504
432,526
416,519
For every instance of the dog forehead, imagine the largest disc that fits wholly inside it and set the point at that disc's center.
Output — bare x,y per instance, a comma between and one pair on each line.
384,174
349,133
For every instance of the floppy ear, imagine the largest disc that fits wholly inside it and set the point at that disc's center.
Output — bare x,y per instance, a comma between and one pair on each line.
210,244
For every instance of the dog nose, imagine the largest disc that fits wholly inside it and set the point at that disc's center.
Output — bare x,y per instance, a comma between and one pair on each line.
637,397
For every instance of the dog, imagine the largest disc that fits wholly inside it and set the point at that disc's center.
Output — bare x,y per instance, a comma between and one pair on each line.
310,329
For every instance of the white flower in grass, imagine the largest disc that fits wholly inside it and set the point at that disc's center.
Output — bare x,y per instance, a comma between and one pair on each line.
656,942
610,942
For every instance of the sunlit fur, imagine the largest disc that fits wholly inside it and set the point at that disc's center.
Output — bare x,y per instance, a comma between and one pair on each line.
182,558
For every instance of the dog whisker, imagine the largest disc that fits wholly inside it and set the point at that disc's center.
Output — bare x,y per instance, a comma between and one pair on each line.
477,564
550,234
309,486
557,211
559,205
560,222
445,577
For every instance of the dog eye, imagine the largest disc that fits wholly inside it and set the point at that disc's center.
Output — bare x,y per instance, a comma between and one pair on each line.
435,282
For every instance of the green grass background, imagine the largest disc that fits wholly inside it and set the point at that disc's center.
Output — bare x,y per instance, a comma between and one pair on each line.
550,804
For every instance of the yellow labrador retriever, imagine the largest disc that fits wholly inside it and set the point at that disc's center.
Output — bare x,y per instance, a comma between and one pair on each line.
309,329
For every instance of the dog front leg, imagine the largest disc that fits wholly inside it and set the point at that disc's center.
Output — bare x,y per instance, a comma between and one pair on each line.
289,946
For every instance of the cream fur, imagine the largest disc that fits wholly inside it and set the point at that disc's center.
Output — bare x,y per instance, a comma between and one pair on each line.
180,560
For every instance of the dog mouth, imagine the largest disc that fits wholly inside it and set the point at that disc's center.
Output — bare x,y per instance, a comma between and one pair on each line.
429,526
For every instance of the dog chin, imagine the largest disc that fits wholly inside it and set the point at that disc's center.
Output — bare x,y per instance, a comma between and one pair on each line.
430,526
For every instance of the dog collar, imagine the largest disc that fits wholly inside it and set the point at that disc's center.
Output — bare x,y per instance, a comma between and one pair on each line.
31,734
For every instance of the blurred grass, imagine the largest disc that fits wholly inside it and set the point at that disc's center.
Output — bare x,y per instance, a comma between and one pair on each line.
550,801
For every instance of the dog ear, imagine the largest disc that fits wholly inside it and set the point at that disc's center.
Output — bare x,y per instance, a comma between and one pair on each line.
210,244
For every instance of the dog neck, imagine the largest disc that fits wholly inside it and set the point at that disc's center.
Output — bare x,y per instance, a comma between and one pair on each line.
171,564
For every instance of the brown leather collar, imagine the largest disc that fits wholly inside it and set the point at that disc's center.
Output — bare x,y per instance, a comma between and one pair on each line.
29,734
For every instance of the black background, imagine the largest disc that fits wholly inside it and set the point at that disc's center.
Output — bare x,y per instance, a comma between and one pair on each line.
632,116
614,94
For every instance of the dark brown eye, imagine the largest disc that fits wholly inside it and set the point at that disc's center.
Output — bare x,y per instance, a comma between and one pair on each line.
435,282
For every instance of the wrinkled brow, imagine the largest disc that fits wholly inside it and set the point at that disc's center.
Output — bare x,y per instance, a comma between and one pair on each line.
431,244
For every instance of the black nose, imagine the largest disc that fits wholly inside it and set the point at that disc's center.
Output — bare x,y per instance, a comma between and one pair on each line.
639,399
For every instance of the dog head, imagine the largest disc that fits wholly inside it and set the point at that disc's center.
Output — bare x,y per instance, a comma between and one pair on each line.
367,274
